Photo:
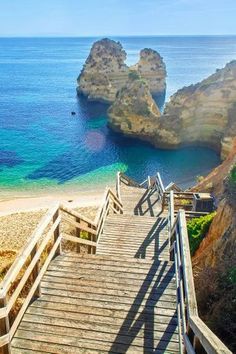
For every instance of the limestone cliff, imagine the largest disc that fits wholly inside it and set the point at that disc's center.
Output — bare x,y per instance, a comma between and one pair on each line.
221,238
201,114
151,67
105,71
214,263
134,110
205,113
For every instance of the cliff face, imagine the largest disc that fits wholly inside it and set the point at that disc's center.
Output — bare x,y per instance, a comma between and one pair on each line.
201,114
134,110
151,67
205,113
214,263
221,239
105,71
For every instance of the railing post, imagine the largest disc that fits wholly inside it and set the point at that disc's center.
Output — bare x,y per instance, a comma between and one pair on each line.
4,327
36,270
57,233
78,234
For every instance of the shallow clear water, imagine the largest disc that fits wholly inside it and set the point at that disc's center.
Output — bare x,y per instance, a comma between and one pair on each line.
42,146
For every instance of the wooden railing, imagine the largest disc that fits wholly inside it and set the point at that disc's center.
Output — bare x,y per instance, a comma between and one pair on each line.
110,202
28,268
23,279
194,335
128,181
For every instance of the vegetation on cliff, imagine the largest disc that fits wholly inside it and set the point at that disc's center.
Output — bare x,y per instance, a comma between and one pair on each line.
214,262
197,230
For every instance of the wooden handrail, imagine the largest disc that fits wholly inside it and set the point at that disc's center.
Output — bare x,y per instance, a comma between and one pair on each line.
130,181
77,215
28,263
25,252
118,193
193,332
110,202
41,238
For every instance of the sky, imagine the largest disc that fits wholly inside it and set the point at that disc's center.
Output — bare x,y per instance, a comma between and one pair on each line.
116,17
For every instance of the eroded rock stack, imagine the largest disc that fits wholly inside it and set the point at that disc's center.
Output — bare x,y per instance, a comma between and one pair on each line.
105,71
134,111
201,114
152,68
205,113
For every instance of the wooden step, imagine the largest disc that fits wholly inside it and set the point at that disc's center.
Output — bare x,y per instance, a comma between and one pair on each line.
99,312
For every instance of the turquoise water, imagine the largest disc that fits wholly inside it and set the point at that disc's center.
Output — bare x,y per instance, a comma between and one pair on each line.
43,147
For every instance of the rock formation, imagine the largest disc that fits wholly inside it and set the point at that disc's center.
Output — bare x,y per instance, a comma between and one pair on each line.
205,113
152,68
201,114
214,263
223,229
134,110
105,71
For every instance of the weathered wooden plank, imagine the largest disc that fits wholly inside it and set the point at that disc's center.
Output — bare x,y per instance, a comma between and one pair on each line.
114,268
153,294
113,281
101,285
111,315
96,259
92,344
141,299
102,335
143,329
27,351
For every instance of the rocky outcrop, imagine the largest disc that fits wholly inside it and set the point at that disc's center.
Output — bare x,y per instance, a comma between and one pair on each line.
134,111
105,71
214,263
151,67
222,234
201,114
205,113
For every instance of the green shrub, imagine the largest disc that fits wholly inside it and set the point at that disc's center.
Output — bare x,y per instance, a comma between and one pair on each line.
231,276
197,230
84,235
232,178
134,75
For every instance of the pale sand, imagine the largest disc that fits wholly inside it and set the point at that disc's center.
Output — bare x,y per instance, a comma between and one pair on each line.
26,204
19,216
17,227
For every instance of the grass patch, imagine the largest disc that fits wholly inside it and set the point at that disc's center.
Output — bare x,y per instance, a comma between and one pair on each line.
232,178
197,230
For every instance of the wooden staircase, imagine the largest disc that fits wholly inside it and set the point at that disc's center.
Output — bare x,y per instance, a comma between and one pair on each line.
119,298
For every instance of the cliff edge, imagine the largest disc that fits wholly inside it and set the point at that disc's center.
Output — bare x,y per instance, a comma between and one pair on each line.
201,114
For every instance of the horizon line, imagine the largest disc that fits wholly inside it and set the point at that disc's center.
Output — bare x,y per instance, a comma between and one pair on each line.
118,35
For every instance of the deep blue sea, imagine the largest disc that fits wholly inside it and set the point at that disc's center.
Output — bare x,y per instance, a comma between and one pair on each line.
43,147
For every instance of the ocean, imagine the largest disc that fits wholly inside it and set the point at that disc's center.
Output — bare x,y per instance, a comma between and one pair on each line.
44,148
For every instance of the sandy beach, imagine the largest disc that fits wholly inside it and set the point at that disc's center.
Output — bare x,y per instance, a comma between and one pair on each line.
28,203
19,217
